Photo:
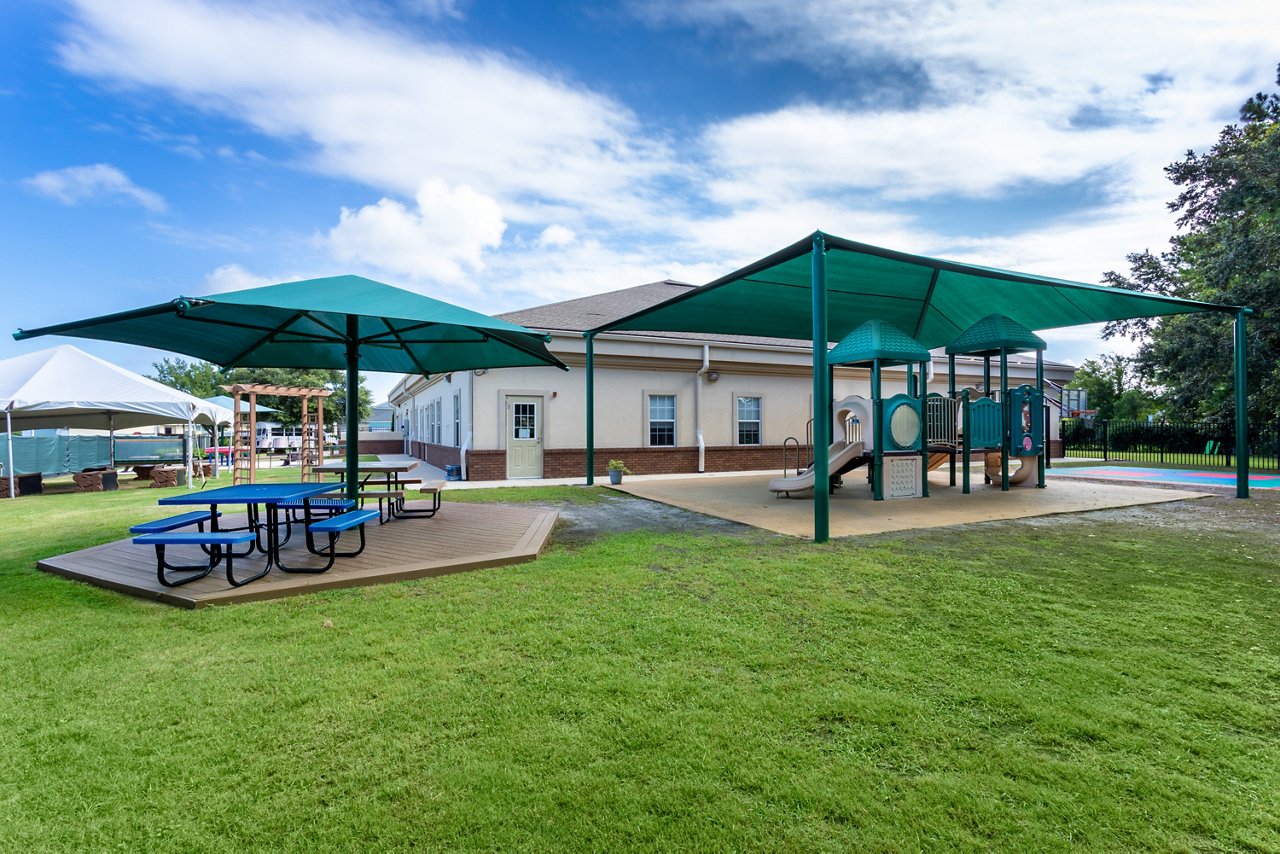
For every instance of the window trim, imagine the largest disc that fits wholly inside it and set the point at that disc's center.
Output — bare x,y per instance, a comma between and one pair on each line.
648,421
759,420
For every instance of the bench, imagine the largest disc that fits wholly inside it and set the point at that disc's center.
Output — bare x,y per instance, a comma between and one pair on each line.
331,506
391,496
218,545
173,523
432,488
334,526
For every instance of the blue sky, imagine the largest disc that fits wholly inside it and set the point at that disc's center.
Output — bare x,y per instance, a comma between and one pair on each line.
505,154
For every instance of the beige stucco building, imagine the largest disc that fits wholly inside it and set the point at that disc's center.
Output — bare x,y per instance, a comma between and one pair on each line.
664,402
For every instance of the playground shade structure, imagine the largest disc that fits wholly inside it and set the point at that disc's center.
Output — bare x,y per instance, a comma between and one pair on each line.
823,286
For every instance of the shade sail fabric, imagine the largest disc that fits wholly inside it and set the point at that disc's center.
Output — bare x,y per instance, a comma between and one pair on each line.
304,325
994,333
66,387
933,300
874,340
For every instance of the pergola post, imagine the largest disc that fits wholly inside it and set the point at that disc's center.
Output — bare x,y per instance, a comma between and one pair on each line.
821,395
591,409
1242,409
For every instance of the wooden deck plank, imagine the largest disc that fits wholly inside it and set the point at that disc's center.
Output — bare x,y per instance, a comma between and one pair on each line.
459,538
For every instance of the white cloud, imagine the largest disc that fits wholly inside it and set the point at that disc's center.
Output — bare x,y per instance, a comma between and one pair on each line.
372,105
75,184
556,235
447,231
233,277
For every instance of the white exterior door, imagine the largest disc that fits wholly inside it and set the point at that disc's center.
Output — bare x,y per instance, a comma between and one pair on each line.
524,437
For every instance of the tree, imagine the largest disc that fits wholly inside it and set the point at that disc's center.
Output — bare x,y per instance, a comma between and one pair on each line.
203,379
1227,252
198,378
1115,388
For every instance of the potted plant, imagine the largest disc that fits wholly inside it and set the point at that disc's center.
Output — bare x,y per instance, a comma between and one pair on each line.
617,468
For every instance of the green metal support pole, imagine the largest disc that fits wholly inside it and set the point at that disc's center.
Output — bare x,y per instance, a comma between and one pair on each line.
877,431
911,379
968,417
821,395
353,407
1242,409
591,409
924,432
1008,427
951,377
986,375
1044,435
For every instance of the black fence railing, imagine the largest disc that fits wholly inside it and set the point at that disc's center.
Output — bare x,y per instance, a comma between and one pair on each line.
1210,444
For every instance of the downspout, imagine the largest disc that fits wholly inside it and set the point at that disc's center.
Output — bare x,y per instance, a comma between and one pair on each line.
697,406
471,410
591,408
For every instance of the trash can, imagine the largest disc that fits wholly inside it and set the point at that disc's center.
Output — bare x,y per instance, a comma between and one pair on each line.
453,472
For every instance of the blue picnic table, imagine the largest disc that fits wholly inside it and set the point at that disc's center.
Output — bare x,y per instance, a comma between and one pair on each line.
265,526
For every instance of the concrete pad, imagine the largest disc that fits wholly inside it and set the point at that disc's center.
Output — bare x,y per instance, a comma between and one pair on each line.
853,512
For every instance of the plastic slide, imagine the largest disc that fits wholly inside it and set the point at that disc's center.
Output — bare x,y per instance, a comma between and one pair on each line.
1022,474
840,458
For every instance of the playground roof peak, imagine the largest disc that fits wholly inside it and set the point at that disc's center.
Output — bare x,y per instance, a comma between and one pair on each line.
994,333
932,299
878,340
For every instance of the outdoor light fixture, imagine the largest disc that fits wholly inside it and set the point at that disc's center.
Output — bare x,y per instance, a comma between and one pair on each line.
712,376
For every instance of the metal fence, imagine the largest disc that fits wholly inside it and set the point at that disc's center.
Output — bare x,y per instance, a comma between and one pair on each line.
1209,444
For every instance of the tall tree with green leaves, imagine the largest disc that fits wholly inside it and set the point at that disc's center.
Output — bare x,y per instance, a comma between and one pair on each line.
198,378
1115,388
1227,251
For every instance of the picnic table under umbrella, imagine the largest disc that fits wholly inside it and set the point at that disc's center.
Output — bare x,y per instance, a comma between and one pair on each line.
345,322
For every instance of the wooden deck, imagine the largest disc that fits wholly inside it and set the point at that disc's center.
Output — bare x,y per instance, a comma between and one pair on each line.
460,537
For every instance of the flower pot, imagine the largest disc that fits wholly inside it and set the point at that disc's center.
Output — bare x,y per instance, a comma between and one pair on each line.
615,477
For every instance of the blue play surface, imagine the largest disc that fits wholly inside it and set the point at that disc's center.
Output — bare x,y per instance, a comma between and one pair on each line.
1155,475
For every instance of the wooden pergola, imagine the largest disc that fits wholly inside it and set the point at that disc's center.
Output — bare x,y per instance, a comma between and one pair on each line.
244,429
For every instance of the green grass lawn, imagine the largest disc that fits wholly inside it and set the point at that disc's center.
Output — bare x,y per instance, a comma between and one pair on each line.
1084,684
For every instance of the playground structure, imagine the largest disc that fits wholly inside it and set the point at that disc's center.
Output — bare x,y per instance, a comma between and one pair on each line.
244,429
915,432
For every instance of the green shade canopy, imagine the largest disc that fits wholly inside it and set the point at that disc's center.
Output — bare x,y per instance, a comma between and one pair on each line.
994,333
338,322
304,325
876,339
931,299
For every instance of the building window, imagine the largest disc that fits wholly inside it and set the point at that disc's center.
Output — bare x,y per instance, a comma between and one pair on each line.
662,420
748,421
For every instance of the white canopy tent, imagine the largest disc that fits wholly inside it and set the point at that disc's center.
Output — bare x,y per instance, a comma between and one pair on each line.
64,386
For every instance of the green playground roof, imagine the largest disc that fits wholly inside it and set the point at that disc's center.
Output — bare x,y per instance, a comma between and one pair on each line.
933,300
993,333
876,339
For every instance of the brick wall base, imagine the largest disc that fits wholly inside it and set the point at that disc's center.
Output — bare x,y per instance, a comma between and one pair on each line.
437,455
570,462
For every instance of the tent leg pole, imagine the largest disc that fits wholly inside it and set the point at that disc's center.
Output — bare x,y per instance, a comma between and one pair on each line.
191,452
821,396
1242,410
591,409
8,431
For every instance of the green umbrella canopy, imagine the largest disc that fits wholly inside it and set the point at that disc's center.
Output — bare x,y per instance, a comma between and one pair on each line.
994,333
877,339
338,322
306,325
